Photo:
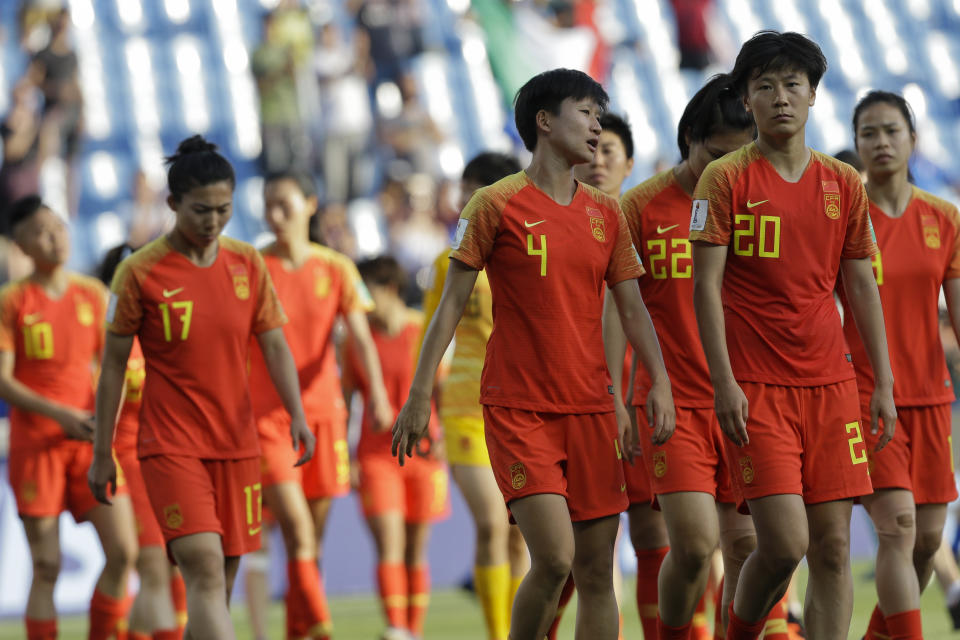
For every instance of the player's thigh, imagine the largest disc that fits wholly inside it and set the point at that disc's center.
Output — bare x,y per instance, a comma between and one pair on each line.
43,539
231,564
290,508
691,520
544,521
781,525
320,512
153,567
647,527
594,541
200,558
479,488
932,462
388,529
115,526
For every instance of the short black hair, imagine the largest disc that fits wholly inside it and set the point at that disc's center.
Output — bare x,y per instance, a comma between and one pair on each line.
616,124
885,97
850,157
112,260
489,167
547,91
776,51
197,163
383,270
714,108
20,210
303,181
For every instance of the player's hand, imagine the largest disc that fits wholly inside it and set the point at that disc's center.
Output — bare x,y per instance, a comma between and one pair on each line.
732,409
382,412
77,424
625,432
661,414
882,409
411,425
102,477
301,434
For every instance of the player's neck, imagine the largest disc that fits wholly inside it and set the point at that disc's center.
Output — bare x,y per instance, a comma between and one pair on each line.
200,256
552,175
293,251
392,321
789,156
891,193
685,178
52,280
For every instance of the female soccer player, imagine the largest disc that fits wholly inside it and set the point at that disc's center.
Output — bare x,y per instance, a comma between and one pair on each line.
917,234
773,224
400,503
193,300
51,337
501,559
316,286
549,244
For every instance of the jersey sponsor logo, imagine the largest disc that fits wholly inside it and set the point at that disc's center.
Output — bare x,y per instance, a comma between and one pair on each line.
529,224
698,215
30,318
665,229
831,205
597,229
518,475
746,469
85,313
458,236
751,205
659,463
167,293
173,516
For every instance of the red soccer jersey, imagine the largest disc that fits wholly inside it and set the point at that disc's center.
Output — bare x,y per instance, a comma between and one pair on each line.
128,424
785,241
194,325
658,214
918,252
313,295
398,355
56,344
547,265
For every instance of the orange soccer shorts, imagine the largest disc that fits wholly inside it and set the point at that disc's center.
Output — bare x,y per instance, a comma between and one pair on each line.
693,459
190,495
326,475
920,456
573,455
419,489
148,530
639,489
53,479
803,440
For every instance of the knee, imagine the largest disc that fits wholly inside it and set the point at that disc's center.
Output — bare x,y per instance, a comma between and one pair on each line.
830,552
927,544
783,556
121,556
897,531
204,572
692,555
491,531
555,566
736,546
46,569
298,537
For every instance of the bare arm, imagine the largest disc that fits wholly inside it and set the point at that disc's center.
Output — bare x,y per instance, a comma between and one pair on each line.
639,330
614,349
102,476
412,422
730,404
283,373
76,423
860,285
379,402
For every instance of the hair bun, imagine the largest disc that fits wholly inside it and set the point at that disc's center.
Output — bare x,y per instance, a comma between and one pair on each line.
193,144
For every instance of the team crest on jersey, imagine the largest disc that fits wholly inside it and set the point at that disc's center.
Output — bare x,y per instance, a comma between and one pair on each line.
746,469
931,231
597,228
321,286
85,313
241,281
831,205
518,475
28,491
173,516
659,463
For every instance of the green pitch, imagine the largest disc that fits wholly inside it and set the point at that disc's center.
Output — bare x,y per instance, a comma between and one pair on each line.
455,615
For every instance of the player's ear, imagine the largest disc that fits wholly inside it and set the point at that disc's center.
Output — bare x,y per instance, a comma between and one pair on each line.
813,95
172,202
543,120
313,203
629,166
746,106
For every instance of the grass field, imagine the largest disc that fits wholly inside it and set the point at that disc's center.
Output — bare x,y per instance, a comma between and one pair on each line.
455,615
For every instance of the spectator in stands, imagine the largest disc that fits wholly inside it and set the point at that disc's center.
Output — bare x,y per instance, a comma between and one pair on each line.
411,134
331,228
34,19
394,28
417,239
20,132
691,16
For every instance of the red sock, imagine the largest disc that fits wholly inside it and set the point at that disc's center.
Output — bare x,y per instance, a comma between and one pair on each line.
392,579
877,625
41,629
671,633
418,588
307,611
719,631
905,626
699,629
293,607
740,630
108,617
178,593
776,623
648,571
166,634
568,588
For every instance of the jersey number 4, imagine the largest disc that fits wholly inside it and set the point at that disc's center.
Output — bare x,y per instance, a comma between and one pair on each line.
184,309
542,252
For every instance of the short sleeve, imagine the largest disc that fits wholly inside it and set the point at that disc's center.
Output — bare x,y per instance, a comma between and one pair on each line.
125,309
711,215
269,312
353,293
631,211
624,261
953,264
476,231
860,241
8,320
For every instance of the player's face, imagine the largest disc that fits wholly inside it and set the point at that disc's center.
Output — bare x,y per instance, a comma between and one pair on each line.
287,209
780,101
575,131
715,146
43,237
884,140
467,187
203,212
384,298
609,167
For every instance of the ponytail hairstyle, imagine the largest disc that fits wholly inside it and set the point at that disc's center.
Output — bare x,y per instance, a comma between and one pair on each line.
716,107
196,163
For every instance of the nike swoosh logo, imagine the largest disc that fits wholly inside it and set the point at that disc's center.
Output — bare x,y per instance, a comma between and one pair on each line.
167,294
532,224
623,488
31,318
253,530
665,229
751,205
